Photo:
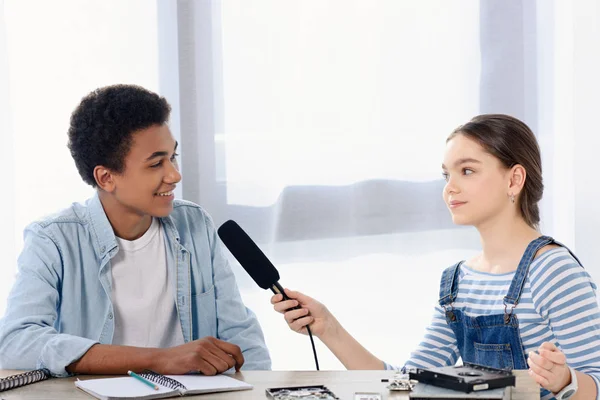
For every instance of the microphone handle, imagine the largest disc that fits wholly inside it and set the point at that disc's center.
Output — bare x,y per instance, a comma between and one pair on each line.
278,289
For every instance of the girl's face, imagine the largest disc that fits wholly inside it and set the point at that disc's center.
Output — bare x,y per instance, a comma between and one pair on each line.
477,184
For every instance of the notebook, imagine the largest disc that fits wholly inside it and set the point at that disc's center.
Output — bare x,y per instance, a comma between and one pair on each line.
169,386
422,391
15,381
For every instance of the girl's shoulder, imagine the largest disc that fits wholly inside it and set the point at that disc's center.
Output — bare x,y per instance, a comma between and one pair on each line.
547,248
557,267
554,256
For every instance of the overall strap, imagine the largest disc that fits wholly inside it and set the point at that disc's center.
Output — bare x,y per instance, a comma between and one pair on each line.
518,282
449,284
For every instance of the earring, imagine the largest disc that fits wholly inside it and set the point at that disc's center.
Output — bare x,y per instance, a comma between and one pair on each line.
512,198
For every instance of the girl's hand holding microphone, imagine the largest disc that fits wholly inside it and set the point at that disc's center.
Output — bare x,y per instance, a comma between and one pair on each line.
311,313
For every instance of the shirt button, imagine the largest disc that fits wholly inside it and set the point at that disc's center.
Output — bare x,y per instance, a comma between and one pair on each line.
102,249
110,316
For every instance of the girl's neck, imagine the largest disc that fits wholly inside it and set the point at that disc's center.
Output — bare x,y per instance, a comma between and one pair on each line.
504,240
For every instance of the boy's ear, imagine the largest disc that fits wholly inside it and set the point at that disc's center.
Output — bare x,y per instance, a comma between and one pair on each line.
104,178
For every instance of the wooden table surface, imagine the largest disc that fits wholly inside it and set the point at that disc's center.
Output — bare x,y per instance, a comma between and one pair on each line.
343,383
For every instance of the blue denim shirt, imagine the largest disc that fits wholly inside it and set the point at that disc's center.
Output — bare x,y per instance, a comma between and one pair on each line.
60,304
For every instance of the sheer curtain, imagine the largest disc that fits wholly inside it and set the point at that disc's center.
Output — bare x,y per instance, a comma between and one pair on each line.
52,53
7,166
320,128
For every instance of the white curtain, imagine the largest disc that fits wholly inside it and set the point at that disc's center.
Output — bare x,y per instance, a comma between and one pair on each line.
52,53
319,127
7,166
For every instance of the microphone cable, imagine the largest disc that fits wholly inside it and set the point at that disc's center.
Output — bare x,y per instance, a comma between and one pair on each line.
312,342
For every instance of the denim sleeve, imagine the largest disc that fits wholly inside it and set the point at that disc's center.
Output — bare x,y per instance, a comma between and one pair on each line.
28,338
236,323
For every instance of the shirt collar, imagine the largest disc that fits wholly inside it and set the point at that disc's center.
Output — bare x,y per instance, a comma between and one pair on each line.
105,235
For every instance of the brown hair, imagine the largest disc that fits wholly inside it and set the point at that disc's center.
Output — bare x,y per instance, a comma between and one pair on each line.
511,142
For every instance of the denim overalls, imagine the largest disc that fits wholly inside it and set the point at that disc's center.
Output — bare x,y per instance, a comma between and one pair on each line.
491,340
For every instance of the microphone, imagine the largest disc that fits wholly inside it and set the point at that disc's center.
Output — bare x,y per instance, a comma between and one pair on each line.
256,264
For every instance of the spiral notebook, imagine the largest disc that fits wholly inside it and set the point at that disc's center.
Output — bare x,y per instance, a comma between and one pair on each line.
15,381
169,386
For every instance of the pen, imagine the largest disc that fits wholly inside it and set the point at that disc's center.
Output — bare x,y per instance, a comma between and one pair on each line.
143,380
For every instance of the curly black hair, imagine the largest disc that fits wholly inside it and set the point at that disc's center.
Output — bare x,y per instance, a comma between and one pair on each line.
103,123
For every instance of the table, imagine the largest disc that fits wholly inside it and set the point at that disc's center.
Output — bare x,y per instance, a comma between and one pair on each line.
342,383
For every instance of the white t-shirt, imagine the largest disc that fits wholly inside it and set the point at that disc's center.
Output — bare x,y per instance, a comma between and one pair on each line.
142,293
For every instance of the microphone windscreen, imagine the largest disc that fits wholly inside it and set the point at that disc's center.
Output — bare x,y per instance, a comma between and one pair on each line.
252,259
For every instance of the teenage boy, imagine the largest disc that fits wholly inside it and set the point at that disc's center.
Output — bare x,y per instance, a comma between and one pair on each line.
133,279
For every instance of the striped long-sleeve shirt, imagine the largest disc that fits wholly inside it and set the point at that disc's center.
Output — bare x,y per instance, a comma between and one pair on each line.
558,305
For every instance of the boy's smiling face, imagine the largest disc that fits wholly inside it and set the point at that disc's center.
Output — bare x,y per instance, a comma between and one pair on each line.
150,174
